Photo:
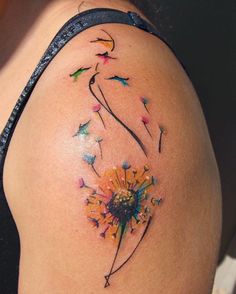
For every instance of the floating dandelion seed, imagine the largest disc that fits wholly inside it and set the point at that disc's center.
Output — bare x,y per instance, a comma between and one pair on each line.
90,159
99,141
123,81
145,169
157,201
121,207
96,108
145,102
145,121
83,185
77,73
83,129
162,131
105,57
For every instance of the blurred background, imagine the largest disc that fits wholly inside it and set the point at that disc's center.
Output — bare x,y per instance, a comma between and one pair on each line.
202,34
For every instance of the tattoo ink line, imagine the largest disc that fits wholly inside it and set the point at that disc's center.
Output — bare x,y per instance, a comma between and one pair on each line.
99,141
115,211
107,277
143,235
96,109
109,43
109,110
160,138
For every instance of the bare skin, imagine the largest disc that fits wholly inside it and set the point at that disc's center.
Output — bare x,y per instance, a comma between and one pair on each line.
60,251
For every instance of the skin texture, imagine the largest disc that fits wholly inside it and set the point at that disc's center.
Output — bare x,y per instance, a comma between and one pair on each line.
60,251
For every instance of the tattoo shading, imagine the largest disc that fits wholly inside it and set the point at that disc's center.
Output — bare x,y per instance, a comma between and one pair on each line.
77,73
123,81
90,159
122,206
83,129
145,121
105,57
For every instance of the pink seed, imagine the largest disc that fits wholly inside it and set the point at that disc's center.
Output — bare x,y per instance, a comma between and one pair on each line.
97,107
145,120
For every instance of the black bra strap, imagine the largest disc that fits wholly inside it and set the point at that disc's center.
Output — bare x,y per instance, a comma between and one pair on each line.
74,26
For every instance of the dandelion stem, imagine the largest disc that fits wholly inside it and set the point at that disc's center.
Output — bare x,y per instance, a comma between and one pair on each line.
160,140
146,108
107,277
125,176
147,130
95,171
118,180
100,147
143,173
144,233
101,119
106,106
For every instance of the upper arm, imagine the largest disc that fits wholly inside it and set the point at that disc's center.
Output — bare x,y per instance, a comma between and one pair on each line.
63,183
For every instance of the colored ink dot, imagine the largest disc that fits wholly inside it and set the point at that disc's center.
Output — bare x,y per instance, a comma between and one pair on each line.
89,158
126,165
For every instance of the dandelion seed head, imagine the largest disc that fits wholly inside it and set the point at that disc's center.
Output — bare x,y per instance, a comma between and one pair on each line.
127,201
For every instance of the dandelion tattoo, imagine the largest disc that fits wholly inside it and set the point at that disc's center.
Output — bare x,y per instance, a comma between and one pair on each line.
124,199
121,206
160,138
